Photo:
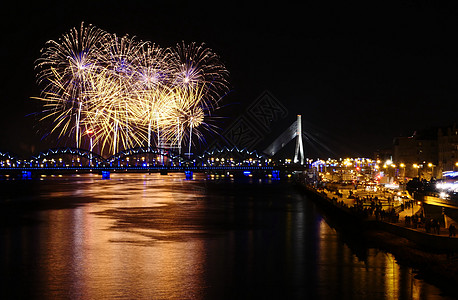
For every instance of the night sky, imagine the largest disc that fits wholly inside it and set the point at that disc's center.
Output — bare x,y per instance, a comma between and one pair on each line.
359,75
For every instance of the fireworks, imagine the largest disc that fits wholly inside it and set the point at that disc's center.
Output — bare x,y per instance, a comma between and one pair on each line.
125,92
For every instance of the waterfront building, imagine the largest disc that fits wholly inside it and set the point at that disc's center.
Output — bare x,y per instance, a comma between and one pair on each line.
419,153
428,152
448,149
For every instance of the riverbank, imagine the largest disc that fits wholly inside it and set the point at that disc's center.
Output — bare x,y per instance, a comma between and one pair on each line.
435,256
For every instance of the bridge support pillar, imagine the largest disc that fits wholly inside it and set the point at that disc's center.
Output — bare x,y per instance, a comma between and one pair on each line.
105,174
189,175
26,174
294,131
275,175
299,152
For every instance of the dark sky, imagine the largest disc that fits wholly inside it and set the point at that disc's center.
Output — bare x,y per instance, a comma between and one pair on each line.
359,74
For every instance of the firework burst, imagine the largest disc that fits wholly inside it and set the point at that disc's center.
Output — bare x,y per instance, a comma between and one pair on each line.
196,66
127,92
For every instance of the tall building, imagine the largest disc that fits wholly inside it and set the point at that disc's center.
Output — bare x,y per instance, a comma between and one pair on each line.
447,139
418,153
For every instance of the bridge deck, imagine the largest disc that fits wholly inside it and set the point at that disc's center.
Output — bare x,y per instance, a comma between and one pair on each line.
149,168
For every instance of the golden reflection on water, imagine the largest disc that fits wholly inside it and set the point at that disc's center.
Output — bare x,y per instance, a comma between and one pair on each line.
375,272
86,257
141,236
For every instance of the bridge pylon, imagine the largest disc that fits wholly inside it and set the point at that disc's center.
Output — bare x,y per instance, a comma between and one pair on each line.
299,152
293,131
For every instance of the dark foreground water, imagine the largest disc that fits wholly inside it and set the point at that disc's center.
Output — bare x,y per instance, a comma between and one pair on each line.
140,236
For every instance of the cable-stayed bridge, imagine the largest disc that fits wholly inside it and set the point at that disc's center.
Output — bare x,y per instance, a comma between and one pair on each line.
70,161
150,159
293,131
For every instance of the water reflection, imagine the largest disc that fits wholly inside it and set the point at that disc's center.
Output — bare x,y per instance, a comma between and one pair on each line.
108,256
142,236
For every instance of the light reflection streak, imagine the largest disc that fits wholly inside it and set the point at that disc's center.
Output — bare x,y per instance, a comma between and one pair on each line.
118,249
98,256
377,272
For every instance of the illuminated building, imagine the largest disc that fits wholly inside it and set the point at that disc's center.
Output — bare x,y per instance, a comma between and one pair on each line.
448,149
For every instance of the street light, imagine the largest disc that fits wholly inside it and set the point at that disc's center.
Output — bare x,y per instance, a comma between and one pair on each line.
394,172
403,166
415,166
432,170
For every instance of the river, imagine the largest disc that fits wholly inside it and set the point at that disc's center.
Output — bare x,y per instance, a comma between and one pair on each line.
151,236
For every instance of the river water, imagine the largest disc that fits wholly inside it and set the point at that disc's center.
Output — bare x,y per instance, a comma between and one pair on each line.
150,236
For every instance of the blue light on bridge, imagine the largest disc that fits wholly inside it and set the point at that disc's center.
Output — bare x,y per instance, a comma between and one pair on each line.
276,175
105,174
246,173
26,175
189,175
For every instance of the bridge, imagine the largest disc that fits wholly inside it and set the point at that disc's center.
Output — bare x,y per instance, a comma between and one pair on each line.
152,159
146,160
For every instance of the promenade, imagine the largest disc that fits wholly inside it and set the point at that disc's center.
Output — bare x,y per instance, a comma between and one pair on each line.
387,206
